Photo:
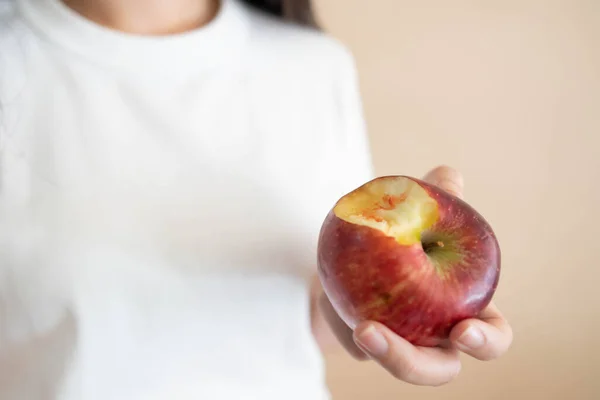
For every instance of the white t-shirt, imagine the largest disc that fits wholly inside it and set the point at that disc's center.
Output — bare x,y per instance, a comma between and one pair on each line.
160,201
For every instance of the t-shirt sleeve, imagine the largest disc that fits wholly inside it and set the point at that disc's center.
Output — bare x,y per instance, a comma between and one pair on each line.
355,165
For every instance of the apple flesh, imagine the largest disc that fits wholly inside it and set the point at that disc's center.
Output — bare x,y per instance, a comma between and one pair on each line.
409,255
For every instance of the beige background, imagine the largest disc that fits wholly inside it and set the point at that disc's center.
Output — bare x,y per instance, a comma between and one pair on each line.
508,91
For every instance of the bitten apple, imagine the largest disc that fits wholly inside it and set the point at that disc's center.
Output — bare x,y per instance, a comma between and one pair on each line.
409,255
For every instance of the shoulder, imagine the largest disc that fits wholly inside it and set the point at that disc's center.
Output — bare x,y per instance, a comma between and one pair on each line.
16,46
286,45
6,7
10,22
14,36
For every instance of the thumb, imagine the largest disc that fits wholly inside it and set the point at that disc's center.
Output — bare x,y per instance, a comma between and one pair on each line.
447,178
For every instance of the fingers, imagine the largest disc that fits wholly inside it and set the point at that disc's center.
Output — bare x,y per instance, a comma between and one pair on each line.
415,365
340,330
446,178
485,338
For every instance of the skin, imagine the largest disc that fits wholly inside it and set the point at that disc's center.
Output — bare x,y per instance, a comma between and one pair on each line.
485,338
147,17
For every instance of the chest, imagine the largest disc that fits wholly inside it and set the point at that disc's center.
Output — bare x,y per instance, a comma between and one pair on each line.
227,169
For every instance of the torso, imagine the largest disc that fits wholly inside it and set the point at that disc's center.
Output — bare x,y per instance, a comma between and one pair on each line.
166,230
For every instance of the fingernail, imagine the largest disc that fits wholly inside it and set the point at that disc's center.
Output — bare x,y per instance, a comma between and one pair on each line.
472,338
372,341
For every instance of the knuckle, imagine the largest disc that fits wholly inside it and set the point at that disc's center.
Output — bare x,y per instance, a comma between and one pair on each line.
451,376
405,370
454,372
358,354
490,353
509,336
495,350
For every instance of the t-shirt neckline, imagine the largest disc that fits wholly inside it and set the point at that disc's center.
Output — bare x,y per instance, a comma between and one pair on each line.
206,47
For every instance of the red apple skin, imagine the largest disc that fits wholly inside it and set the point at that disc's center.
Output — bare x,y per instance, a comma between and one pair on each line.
368,275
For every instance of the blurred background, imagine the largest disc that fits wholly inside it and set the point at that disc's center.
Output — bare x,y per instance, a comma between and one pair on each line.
508,91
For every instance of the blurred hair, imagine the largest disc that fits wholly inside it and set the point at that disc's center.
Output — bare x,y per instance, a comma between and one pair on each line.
295,11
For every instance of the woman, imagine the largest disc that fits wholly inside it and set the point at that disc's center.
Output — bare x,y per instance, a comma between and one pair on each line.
165,169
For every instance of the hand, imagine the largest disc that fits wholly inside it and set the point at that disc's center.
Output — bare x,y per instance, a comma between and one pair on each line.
486,337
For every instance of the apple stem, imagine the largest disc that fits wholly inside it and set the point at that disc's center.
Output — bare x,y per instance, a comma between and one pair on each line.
430,246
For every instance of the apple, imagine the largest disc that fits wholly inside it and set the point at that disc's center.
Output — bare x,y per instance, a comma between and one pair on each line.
409,255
